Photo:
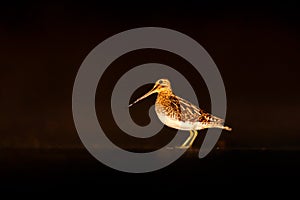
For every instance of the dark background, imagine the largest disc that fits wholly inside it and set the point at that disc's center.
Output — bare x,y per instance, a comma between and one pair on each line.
255,46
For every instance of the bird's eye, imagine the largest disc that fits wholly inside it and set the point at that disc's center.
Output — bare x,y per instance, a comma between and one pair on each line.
160,82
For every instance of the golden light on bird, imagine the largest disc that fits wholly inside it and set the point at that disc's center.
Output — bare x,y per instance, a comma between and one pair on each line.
180,114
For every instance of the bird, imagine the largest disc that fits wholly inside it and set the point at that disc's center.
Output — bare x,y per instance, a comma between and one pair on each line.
180,114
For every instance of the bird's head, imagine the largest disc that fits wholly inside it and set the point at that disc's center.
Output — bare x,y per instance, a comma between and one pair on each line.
160,85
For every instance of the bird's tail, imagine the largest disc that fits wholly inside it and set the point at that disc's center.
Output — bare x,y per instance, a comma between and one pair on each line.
221,126
226,128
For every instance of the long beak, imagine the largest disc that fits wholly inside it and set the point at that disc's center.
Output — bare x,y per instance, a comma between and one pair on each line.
153,90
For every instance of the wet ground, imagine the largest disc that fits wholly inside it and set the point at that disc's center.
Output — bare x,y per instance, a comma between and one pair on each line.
39,170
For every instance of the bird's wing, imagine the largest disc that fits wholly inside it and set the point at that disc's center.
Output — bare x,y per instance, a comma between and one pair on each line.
192,113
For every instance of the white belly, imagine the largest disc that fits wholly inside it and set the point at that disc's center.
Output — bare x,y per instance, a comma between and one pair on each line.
177,124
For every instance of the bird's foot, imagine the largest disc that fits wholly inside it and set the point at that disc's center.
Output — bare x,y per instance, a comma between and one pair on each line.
183,147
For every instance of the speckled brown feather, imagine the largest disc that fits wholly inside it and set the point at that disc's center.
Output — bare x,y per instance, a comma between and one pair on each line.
178,113
177,108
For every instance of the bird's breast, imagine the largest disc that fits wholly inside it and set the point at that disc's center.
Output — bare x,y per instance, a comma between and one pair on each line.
172,120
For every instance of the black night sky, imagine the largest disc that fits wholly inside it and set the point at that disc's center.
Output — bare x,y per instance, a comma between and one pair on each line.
254,45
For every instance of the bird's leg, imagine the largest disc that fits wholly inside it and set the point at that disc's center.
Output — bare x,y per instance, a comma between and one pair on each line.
187,140
194,137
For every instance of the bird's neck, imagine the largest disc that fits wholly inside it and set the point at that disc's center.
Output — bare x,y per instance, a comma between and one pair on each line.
164,94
